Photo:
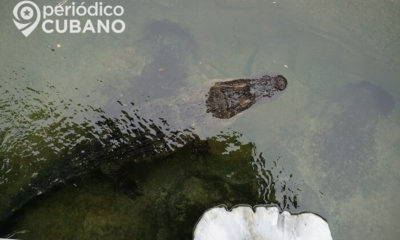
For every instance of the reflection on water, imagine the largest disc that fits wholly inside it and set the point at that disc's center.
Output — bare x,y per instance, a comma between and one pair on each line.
276,186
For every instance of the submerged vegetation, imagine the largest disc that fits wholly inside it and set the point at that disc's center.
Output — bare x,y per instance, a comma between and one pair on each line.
172,194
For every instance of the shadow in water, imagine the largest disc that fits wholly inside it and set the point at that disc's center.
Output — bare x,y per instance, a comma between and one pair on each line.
171,49
348,145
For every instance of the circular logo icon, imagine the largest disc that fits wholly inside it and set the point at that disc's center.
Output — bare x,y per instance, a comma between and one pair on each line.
26,17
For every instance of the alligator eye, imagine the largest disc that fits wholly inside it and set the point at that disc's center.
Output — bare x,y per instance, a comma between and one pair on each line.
280,83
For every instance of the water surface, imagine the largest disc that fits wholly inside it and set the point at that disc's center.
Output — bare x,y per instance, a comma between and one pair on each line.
328,144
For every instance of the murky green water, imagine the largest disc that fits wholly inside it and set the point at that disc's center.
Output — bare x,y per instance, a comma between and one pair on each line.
328,145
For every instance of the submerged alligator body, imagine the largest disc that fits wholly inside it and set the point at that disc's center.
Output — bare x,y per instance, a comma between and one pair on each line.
143,141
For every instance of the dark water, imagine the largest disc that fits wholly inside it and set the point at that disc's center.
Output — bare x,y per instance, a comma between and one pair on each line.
98,126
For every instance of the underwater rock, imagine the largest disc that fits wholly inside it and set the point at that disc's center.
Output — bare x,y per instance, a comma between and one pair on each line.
264,223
